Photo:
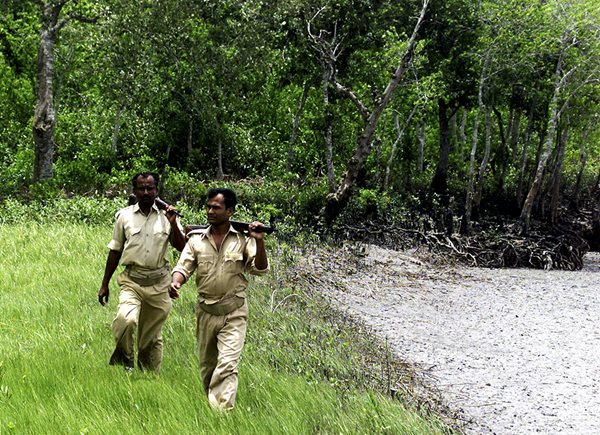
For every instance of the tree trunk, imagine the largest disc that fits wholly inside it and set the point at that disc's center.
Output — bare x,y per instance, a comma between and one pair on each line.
486,158
515,129
556,174
525,152
115,139
395,145
294,136
421,138
220,172
539,174
329,151
327,76
465,225
190,136
439,183
378,148
44,118
454,133
596,185
584,153
501,158
463,126
114,146
335,202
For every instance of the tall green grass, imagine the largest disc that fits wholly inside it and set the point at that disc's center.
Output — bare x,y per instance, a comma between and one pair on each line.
298,374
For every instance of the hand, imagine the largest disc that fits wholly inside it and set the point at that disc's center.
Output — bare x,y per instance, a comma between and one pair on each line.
171,213
103,295
252,230
174,289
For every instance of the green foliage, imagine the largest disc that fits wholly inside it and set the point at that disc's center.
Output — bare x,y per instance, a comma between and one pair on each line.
293,208
47,205
17,172
367,199
231,74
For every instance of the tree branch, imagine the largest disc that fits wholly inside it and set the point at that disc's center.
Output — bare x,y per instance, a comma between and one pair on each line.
83,19
364,111
387,94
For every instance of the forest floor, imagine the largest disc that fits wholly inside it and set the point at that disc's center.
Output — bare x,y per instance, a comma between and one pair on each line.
509,350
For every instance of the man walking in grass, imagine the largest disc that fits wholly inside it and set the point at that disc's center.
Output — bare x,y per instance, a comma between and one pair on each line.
221,256
140,239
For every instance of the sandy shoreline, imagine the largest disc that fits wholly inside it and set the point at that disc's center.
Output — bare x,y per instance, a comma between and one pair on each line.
516,351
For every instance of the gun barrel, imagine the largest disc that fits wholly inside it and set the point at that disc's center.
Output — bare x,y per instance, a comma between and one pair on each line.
163,205
237,225
245,227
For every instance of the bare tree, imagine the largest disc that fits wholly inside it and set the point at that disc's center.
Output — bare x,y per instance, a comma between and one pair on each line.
328,48
44,118
294,136
562,140
465,227
400,134
561,78
486,158
525,150
421,137
584,154
336,201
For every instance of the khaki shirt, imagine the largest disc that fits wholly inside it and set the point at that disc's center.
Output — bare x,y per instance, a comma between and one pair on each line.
219,273
142,240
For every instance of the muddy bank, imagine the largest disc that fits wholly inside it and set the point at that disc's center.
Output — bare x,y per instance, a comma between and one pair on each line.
513,350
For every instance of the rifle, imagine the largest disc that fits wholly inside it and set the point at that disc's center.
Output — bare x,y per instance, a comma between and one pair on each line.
163,205
242,227
160,204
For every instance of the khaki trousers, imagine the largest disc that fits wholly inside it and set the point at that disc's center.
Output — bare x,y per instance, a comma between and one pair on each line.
144,308
220,340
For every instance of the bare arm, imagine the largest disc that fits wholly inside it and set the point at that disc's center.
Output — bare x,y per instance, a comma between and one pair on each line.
177,280
112,261
260,260
177,238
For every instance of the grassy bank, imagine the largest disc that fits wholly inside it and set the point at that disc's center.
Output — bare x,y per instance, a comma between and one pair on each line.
300,372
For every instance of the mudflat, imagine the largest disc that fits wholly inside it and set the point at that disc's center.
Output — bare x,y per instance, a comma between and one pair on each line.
512,351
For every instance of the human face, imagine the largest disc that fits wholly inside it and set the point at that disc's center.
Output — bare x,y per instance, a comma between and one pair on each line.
216,212
145,191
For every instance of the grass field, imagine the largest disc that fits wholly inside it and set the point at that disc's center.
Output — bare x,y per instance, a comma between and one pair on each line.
298,373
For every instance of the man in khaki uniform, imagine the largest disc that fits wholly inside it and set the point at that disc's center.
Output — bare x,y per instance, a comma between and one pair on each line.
140,239
221,256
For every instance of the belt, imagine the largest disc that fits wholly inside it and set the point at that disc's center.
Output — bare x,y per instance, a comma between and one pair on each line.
146,277
224,306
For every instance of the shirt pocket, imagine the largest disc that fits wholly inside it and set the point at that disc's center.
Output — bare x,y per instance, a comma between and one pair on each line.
161,231
133,234
205,264
233,262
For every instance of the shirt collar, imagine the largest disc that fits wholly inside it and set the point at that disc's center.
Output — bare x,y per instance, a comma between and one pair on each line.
136,208
232,230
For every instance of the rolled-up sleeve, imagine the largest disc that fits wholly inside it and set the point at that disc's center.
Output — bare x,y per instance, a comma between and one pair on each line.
118,237
187,261
250,256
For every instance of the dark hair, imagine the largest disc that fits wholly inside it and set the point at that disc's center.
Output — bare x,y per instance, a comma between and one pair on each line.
228,194
145,175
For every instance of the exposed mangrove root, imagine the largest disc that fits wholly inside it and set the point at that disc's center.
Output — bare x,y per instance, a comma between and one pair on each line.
560,247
